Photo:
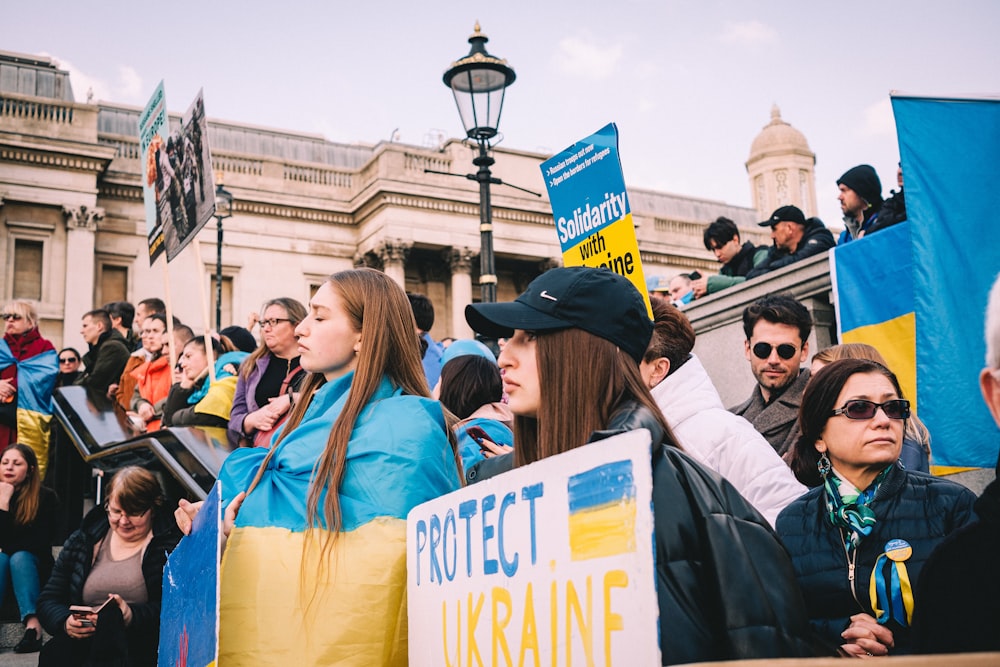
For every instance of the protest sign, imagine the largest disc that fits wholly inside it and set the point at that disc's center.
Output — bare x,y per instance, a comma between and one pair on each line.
551,563
189,612
590,206
153,124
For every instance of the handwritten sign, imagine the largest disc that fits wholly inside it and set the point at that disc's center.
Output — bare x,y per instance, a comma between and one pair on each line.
591,210
549,564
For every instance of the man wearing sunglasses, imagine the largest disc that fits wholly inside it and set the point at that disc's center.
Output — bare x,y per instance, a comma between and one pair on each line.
794,237
777,328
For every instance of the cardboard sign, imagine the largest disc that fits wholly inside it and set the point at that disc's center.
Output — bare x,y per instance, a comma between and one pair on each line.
551,563
193,197
590,206
189,612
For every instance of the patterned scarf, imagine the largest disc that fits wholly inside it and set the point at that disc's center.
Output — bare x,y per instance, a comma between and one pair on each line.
847,507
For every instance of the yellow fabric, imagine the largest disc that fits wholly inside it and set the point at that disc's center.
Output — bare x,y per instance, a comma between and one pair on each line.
896,339
33,430
218,402
269,614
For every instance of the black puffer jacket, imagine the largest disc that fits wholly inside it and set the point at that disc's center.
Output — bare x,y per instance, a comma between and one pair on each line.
65,586
725,585
910,506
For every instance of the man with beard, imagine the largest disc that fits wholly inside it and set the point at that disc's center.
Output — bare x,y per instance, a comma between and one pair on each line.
777,328
860,200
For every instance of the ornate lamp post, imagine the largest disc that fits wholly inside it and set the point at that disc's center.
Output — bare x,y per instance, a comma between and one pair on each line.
223,210
478,82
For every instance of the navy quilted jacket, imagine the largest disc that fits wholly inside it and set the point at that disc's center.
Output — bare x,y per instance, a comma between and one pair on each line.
911,506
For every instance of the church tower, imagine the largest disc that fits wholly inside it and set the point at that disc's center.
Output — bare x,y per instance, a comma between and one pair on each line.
781,168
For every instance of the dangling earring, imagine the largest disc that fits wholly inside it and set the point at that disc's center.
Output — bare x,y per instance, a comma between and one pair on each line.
823,465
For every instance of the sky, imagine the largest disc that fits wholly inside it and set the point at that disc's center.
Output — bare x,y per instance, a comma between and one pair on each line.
689,84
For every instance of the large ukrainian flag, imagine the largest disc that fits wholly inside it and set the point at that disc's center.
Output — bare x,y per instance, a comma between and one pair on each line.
278,604
918,291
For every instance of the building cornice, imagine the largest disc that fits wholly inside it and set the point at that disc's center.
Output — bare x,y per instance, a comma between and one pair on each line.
44,157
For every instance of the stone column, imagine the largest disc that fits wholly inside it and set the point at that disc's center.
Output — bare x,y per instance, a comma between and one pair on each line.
81,228
460,262
393,254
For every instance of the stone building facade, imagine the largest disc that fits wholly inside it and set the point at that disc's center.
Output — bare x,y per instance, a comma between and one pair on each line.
72,226
782,169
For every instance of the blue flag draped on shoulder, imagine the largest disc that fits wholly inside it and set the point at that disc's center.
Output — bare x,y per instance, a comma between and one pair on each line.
917,291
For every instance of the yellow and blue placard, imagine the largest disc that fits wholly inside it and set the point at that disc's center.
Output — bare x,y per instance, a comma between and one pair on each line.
591,210
602,511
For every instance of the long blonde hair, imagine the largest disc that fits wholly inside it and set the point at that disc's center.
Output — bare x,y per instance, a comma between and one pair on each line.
379,310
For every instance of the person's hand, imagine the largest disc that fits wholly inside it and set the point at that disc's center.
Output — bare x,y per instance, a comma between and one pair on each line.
6,493
112,390
700,287
145,412
75,628
252,320
7,390
491,449
229,518
185,513
124,608
266,417
865,638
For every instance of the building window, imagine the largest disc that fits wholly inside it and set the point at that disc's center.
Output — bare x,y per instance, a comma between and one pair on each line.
114,283
28,269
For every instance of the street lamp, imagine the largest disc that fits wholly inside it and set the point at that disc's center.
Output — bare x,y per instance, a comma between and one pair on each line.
223,210
478,82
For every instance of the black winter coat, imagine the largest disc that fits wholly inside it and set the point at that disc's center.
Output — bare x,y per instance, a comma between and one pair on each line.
65,586
36,537
910,506
725,584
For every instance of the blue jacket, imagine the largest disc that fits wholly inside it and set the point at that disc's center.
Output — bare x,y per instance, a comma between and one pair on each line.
910,506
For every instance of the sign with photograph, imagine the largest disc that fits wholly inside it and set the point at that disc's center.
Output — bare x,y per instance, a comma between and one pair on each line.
153,125
551,563
591,210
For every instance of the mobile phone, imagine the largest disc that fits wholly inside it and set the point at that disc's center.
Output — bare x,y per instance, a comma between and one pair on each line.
695,275
83,610
479,435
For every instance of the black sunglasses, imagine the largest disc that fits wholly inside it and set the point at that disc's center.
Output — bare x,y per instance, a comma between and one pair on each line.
67,360
763,350
858,408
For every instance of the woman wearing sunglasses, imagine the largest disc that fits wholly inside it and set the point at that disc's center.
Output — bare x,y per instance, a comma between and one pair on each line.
28,369
859,539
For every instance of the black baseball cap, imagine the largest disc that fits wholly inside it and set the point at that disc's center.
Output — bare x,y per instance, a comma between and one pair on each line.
599,301
789,213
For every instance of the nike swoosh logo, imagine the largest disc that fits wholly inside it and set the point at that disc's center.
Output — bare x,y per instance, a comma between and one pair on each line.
545,295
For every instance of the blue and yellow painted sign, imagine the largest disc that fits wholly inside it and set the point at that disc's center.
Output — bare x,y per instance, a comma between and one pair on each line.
590,206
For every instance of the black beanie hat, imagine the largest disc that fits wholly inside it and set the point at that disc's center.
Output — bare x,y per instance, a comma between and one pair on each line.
863,180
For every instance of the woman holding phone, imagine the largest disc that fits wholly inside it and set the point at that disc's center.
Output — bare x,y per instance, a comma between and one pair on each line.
114,564
314,570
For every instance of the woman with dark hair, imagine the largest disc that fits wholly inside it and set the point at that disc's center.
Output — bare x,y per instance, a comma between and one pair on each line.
268,376
314,570
195,400
116,557
571,372
69,367
471,389
859,539
27,522
916,452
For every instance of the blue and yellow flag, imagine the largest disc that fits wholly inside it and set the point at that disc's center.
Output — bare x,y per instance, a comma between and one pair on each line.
285,601
917,291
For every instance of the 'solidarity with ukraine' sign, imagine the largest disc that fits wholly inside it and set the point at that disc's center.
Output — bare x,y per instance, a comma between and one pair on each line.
590,207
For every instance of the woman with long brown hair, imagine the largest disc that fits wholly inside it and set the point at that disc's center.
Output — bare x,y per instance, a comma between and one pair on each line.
27,522
314,570
576,337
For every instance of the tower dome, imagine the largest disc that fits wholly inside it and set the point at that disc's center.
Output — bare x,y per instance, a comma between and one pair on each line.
781,168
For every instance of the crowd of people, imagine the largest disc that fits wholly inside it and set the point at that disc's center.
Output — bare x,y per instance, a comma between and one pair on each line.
801,522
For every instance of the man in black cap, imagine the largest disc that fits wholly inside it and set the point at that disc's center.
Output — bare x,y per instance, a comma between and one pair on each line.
795,238
860,200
